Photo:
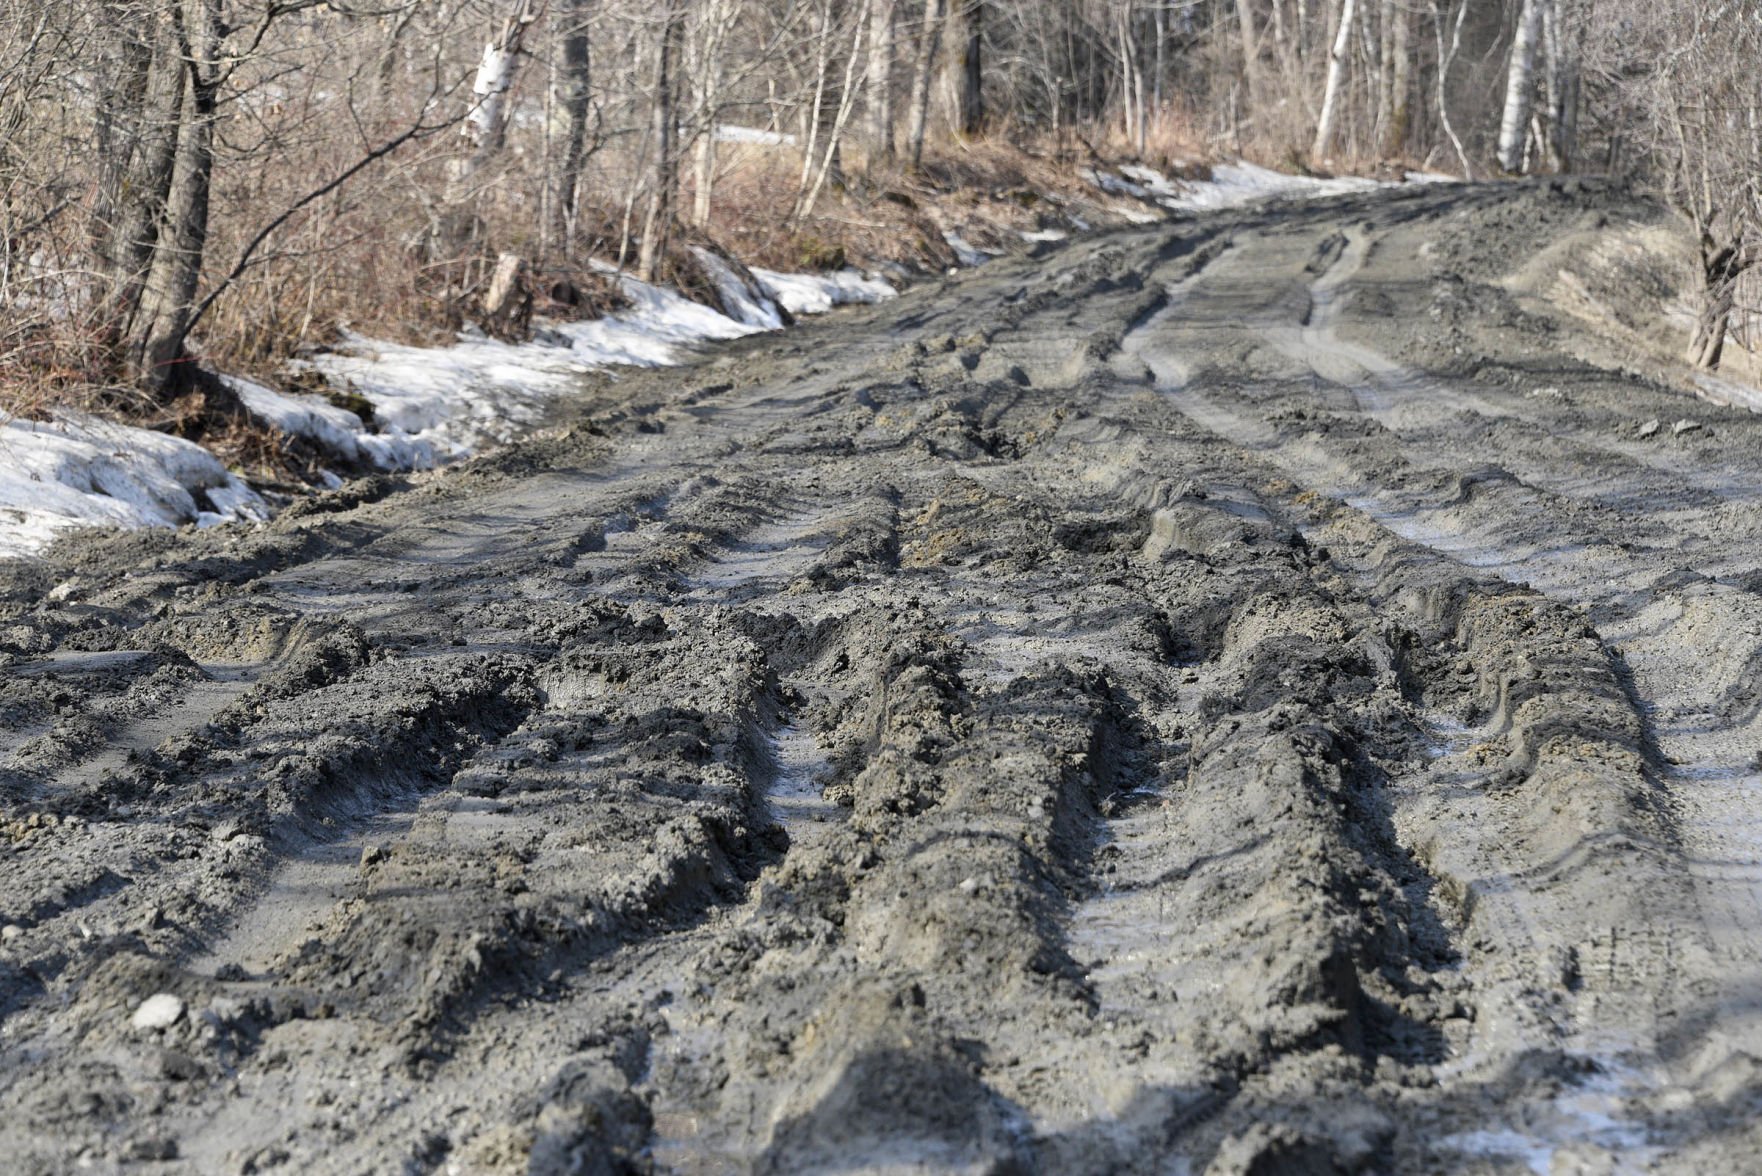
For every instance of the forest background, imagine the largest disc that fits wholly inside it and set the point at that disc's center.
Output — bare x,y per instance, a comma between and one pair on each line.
191,184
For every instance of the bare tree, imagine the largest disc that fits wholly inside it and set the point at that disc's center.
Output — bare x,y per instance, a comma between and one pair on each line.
1563,30
879,82
657,225
485,128
576,78
1514,125
965,66
929,34
1331,98
157,331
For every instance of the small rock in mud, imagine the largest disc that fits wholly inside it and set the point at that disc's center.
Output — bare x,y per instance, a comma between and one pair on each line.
1684,426
1650,428
159,1011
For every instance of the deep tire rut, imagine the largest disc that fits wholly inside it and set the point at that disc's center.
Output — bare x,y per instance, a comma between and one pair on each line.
1227,697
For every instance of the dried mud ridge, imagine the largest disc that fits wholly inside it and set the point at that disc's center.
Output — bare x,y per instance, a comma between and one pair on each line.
1228,697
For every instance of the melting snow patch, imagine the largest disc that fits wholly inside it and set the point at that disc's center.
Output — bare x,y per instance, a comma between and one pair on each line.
79,471
750,307
965,251
729,133
336,431
430,404
819,293
1729,393
1231,185
437,403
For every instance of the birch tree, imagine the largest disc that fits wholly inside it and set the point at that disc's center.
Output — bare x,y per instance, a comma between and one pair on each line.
1331,96
485,126
1514,124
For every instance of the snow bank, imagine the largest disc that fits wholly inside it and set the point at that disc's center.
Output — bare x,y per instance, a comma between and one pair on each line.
336,431
435,403
1231,185
430,404
819,293
750,307
78,471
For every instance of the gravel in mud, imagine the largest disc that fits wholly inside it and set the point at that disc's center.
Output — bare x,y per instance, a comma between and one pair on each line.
1238,696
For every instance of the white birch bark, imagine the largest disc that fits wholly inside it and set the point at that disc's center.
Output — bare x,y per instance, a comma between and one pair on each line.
1514,126
1324,130
483,126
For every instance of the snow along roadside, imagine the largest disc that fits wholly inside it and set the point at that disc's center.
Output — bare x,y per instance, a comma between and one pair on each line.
429,405
1232,185
78,471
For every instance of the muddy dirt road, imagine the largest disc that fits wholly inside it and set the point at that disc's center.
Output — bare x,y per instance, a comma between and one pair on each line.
1252,695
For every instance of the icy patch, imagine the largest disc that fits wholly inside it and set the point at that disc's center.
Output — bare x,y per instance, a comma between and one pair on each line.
1587,1117
819,293
79,471
1232,185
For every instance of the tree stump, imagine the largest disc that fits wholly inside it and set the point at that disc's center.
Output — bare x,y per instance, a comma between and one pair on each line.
507,304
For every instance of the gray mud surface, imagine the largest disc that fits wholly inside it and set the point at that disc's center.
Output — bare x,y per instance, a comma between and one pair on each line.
1236,696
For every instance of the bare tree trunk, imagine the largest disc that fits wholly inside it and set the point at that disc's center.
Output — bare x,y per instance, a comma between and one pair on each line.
1563,28
577,107
879,83
713,24
1447,56
119,122
1721,267
968,42
1514,125
139,160
657,224
830,169
834,97
1385,69
1250,48
1324,130
1400,122
156,348
929,34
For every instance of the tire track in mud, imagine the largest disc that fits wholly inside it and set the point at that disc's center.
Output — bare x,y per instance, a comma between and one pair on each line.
925,741
1336,468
